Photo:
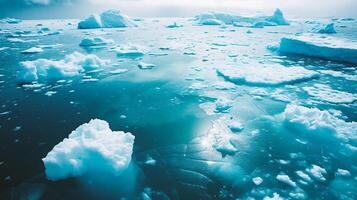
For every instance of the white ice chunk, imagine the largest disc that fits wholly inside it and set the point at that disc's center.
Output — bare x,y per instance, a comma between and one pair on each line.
92,148
317,172
32,50
343,172
143,65
266,75
257,180
276,196
94,41
71,65
285,179
326,93
303,175
325,47
129,51
313,120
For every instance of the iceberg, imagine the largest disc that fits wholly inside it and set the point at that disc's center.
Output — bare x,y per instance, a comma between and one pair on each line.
266,75
326,93
44,69
327,29
107,19
219,18
324,47
86,42
91,148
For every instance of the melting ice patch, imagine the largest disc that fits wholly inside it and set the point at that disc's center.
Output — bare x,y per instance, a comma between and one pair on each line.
326,93
325,47
129,51
71,65
92,147
107,19
266,75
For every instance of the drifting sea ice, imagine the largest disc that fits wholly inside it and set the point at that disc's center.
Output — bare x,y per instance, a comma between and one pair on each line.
107,19
32,50
92,147
86,42
266,75
217,18
71,65
319,122
129,51
325,47
326,93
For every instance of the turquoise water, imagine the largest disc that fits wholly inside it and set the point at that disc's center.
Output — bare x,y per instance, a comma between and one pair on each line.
170,110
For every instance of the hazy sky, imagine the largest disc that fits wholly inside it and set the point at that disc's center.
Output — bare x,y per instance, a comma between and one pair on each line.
35,9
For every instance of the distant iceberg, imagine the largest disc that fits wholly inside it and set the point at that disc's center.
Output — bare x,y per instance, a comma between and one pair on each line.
325,29
266,75
325,47
92,147
217,18
44,69
86,42
107,19
11,20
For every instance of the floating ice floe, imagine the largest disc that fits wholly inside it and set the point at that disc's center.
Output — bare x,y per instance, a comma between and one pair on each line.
86,42
266,75
285,179
325,47
92,148
11,20
326,29
129,51
107,19
143,65
338,74
313,120
326,93
257,180
32,50
317,172
71,65
21,40
217,18
173,25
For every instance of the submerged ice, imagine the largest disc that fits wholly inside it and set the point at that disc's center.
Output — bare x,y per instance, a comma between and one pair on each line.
92,148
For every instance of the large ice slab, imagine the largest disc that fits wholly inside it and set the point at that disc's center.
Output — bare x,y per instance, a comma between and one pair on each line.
45,69
218,18
107,19
266,75
325,47
92,147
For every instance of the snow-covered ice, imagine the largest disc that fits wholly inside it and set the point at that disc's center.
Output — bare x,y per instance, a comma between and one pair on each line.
326,93
92,148
266,74
325,47
107,19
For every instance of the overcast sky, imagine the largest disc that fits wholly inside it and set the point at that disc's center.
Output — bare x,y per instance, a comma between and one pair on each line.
37,9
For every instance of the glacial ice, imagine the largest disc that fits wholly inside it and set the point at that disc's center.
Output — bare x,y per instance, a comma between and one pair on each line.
107,19
95,41
91,148
325,47
326,93
266,75
219,18
71,65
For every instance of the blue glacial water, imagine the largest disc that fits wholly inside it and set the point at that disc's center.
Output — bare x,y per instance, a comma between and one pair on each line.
178,112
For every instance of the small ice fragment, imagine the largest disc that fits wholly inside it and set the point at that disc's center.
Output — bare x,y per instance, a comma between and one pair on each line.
257,180
17,128
32,50
94,41
235,126
143,65
303,175
118,71
343,172
317,172
129,51
285,179
50,93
